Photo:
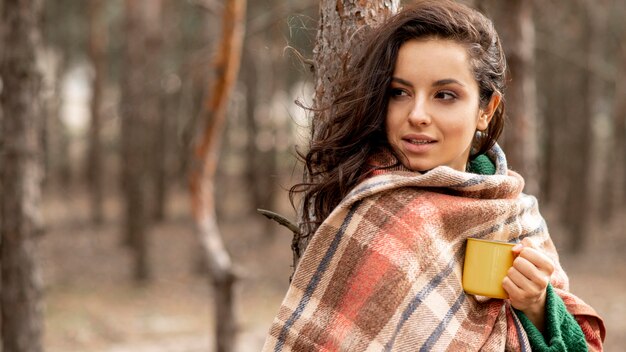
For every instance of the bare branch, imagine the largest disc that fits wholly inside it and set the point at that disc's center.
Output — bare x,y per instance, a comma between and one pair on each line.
281,220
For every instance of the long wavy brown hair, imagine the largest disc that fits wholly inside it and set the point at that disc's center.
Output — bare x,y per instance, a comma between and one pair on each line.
337,158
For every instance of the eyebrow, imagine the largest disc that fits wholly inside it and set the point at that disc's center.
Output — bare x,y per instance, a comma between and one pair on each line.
441,82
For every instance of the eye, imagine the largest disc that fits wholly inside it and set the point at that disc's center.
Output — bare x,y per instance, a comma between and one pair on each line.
398,92
445,95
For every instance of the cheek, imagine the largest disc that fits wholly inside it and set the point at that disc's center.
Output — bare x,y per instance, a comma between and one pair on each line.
462,130
464,122
391,123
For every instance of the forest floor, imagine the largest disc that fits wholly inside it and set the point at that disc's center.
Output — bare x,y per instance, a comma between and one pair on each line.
92,303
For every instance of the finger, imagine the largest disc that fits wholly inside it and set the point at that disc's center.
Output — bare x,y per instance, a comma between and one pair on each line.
522,282
531,272
511,289
538,259
526,242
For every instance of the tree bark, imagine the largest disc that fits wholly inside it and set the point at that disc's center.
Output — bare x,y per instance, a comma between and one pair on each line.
154,18
51,105
613,183
342,25
620,136
139,107
202,181
551,189
20,180
555,80
577,207
261,84
97,52
252,151
166,150
516,27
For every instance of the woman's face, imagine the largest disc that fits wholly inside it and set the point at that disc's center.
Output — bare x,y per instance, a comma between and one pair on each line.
434,108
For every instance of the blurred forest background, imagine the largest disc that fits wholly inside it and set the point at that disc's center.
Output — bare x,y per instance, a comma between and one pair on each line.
123,98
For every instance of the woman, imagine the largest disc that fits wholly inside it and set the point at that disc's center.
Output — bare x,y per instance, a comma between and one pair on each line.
407,169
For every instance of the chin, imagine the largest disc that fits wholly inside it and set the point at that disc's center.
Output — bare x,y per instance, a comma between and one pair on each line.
419,168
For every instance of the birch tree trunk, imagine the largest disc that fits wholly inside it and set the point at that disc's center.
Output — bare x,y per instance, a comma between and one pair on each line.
342,26
202,184
20,179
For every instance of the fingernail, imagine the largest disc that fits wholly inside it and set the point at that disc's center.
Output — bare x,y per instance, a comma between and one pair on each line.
518,247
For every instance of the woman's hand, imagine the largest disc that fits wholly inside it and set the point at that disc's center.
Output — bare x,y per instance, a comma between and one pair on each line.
527,280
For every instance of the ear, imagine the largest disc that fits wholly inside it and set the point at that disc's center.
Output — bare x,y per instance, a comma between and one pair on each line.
487,113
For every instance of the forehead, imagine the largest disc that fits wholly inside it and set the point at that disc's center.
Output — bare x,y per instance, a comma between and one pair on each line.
434,57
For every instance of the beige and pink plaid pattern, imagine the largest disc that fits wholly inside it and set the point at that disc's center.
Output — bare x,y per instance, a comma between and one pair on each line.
383,272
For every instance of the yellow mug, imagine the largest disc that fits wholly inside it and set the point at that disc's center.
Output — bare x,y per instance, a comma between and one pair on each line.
486,265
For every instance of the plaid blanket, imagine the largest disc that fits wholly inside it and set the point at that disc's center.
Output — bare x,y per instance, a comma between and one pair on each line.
383,272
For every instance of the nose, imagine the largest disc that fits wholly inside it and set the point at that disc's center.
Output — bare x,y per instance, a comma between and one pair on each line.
419,114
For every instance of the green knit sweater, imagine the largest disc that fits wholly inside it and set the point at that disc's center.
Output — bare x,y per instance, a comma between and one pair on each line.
562,331
481,165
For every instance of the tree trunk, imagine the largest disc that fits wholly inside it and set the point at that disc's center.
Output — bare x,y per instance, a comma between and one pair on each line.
340,33
252,130
261,84
342,24
202,184
153,103
516,27
97,52
614,184
571,94
196,73
140,105
170,95
577,207
617,190
20,180
51,105
161,146
555,80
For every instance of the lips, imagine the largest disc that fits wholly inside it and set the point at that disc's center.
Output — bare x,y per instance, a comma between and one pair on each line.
419,139
418,143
